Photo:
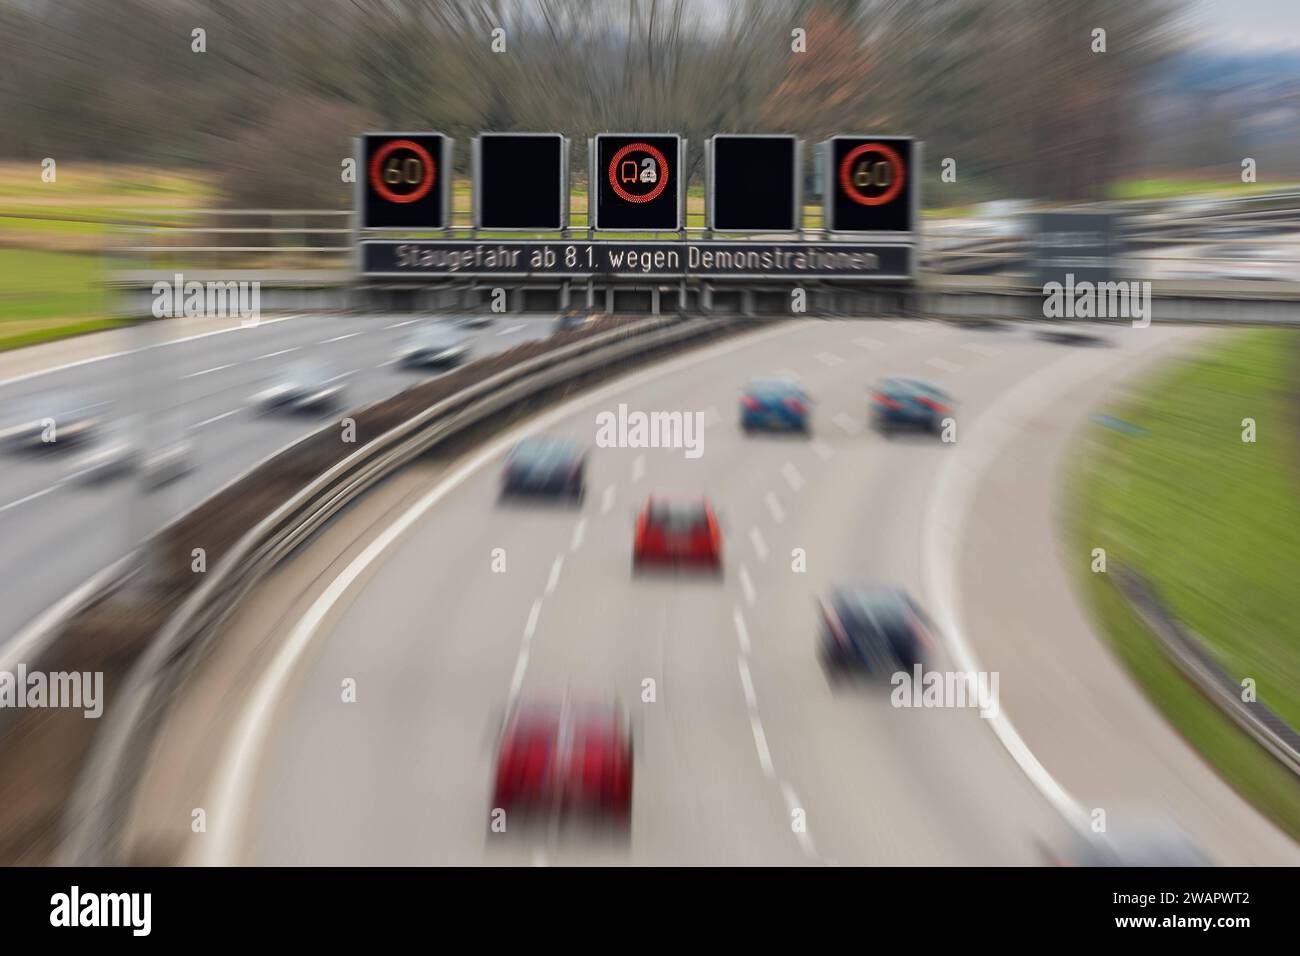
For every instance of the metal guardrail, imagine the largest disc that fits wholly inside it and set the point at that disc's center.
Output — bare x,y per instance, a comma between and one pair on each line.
1189,654
323,238
101,801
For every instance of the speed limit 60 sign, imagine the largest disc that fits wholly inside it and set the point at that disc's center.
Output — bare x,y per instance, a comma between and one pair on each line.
404,180
870,183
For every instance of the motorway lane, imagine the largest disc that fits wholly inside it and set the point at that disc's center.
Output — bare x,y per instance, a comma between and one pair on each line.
59,531
745,730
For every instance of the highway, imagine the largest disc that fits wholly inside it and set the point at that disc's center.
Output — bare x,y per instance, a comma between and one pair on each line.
745,736
59,531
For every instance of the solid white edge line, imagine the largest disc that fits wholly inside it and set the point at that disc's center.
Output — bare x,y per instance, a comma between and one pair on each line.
946,518
156,345
234,779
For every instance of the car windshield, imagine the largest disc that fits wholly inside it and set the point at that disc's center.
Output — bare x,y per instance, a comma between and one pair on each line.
306,373
773,391
910,388
439,335
544,452
677,518
60,406
877,612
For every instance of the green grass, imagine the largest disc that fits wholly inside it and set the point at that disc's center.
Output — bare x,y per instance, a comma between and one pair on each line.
55,329
1214,523
49,295
1160,188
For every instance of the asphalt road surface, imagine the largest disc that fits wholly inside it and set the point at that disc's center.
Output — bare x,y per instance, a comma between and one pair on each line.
59,531
745,738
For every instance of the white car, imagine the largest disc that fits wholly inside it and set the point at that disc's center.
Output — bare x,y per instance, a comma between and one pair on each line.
124,451
436,345
56,420
303,387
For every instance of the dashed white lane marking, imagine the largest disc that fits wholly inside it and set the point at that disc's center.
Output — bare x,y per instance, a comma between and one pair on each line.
747,585
521,668
521,662
274,354
534,613
755,724
513,329
32,497
774,507
340,338
638,468
791,475
216,418
233,782
579,534
822,450
792,804
787,374
607,500
335,378
760,546
943,364
399,325
554,579
867,342
742,632
829,359
847,423
391,361
979,348
215,368
157,345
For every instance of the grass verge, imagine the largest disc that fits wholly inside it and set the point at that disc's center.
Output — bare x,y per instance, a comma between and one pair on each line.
1214,523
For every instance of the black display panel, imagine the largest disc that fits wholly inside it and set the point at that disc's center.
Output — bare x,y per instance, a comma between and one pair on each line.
520,181
754,183
638,182
403,180
870,184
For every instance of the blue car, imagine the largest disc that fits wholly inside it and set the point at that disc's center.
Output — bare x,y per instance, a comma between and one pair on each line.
872,629
551,467
908,403
774,406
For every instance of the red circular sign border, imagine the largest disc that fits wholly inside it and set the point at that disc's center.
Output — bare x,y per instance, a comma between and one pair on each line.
378,184
889,194
658,157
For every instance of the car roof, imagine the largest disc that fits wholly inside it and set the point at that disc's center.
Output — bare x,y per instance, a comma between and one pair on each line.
584,711
769,386
910,386
870,600
546,448
437,330
678,501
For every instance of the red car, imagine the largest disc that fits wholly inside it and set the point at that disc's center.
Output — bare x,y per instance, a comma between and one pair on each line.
677,532
567,760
